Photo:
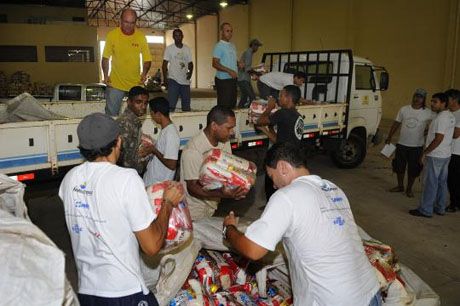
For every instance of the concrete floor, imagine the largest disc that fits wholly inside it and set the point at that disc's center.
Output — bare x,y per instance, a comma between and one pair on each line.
431,247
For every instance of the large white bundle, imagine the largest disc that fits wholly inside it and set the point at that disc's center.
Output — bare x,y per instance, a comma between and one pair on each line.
221,169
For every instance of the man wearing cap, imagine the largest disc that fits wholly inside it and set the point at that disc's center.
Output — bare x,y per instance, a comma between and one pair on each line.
109,217
132,154
244,79
413,120
123,49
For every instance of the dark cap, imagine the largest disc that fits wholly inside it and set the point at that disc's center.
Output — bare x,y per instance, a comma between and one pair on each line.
255,42
420,92
96,131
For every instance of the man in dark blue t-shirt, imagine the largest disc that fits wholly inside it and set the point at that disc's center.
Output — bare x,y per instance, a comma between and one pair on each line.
288,122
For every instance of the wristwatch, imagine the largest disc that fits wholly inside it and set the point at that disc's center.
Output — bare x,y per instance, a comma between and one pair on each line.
225,229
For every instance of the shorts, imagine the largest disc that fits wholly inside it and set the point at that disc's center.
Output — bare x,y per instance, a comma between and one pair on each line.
409,156
136,299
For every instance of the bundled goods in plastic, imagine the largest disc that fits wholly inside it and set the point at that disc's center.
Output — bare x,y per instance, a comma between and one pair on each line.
180,223
42,89
3,84
19,83
146,140
256,109
222,169
212,282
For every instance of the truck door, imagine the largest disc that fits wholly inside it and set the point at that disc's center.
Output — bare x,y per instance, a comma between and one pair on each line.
366,101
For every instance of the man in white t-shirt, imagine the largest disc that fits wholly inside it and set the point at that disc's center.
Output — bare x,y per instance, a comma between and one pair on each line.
270,84
177,71
453,177
313,218
203,203
109,216
162,166
435,158
413,120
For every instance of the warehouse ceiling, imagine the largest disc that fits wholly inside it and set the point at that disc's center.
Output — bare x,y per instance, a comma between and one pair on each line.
158,14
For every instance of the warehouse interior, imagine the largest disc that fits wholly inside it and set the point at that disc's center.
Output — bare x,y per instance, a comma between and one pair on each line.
417,41
49,42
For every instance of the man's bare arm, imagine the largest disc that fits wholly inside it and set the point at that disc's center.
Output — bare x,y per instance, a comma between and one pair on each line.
217,65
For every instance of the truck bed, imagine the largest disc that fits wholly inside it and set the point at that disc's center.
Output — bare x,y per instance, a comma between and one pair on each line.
29,146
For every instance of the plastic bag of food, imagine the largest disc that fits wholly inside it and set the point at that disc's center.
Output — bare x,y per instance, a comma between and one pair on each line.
256,109
222,169
180,223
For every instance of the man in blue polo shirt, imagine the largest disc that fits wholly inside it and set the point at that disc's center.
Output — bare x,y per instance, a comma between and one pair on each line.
225,62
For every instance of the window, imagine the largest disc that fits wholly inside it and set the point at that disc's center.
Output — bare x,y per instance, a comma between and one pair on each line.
70,92
69,54
364,78
154,39
18,53
95,93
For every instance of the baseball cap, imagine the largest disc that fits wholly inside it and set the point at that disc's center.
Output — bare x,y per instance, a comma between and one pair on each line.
256,42
420,92
96,131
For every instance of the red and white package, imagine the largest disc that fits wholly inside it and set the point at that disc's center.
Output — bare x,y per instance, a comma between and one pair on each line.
180,223
222,169
225,272
256,109
239,273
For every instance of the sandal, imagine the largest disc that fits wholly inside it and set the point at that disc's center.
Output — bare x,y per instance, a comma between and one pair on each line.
409,194
397,189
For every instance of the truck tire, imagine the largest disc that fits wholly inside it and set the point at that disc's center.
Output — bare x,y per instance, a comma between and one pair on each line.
350,153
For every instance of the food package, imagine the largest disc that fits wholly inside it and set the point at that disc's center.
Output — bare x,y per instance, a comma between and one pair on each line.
256,109
180,223
381,256
222,169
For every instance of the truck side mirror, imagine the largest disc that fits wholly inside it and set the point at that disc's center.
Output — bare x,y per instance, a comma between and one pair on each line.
384,80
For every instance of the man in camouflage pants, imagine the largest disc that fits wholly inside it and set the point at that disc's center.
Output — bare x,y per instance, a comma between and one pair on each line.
132,154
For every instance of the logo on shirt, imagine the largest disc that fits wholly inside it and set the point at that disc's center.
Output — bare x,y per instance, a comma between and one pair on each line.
298,128
411,123
336,199
82,189
77,229
80,204
339,221
326,187
135,45
143,303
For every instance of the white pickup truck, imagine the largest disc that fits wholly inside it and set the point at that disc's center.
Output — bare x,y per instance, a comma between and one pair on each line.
345,115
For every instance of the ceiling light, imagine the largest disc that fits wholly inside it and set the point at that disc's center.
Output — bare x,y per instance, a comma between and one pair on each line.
189,16
223,4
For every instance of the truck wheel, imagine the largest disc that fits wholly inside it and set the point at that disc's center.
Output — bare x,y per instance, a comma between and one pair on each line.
350,153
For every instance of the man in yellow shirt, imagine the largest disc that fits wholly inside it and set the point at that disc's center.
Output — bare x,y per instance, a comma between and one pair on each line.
124,45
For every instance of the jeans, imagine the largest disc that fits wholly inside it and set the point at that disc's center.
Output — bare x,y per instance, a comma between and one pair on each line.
453,178
247,93
113,100
376,300
434,196
176,90
226,92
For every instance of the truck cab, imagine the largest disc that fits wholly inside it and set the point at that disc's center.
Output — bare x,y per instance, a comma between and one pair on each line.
336,76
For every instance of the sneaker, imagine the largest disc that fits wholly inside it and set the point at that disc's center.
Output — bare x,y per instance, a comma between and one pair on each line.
439,214
451,208
417,213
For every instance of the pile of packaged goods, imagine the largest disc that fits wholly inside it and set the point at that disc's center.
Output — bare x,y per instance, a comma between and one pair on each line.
222,169
180,223
222,279
19,83
383,259
256,109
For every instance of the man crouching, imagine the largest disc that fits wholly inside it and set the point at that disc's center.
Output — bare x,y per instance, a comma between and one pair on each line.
313,218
